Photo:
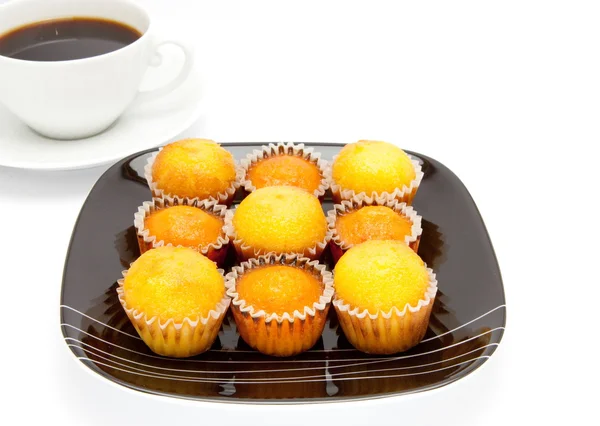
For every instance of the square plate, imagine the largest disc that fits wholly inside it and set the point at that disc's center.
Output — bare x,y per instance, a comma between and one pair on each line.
466,326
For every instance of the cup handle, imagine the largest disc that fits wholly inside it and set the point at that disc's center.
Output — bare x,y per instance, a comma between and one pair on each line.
156,61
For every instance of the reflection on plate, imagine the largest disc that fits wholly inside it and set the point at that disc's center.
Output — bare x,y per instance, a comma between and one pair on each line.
466,325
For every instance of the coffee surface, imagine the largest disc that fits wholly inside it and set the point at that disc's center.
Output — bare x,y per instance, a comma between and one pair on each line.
66,39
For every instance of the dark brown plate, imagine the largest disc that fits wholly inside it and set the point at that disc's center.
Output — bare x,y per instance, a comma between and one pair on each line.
466,326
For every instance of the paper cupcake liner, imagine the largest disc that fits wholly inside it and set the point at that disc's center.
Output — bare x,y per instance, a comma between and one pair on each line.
245,251
339,247
225,197
176,339
387,332
280,335
217,251
406,194
287,148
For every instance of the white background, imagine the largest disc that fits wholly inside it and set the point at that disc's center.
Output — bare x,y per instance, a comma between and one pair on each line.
505,93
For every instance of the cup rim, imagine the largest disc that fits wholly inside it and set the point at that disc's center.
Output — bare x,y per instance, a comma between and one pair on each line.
90,59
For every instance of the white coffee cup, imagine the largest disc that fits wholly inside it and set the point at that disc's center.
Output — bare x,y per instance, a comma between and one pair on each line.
80,98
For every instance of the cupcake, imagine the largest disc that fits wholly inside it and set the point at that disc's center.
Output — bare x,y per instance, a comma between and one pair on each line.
175,298
364,218
376,169
285,164
280,302
279,219
193,168
183,222
384,295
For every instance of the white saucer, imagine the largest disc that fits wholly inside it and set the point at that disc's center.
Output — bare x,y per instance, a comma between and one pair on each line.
142,127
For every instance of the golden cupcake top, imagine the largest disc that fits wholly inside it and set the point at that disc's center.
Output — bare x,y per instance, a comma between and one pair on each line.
285,170
372,223
173,283
194,168
184,225
372,166
380,274
278,289
282,219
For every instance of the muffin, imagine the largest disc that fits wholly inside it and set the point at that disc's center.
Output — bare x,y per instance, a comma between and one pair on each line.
364,218
376,169
279,219
384,296
175,298
280,302
193,168
183,222
285,164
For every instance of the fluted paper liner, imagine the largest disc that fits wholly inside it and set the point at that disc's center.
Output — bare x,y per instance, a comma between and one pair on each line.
281,335
339,246
245,251
215,251
387,332
225,197
285,148
186,338
405,194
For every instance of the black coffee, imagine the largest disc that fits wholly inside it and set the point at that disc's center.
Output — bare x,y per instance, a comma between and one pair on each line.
66,39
